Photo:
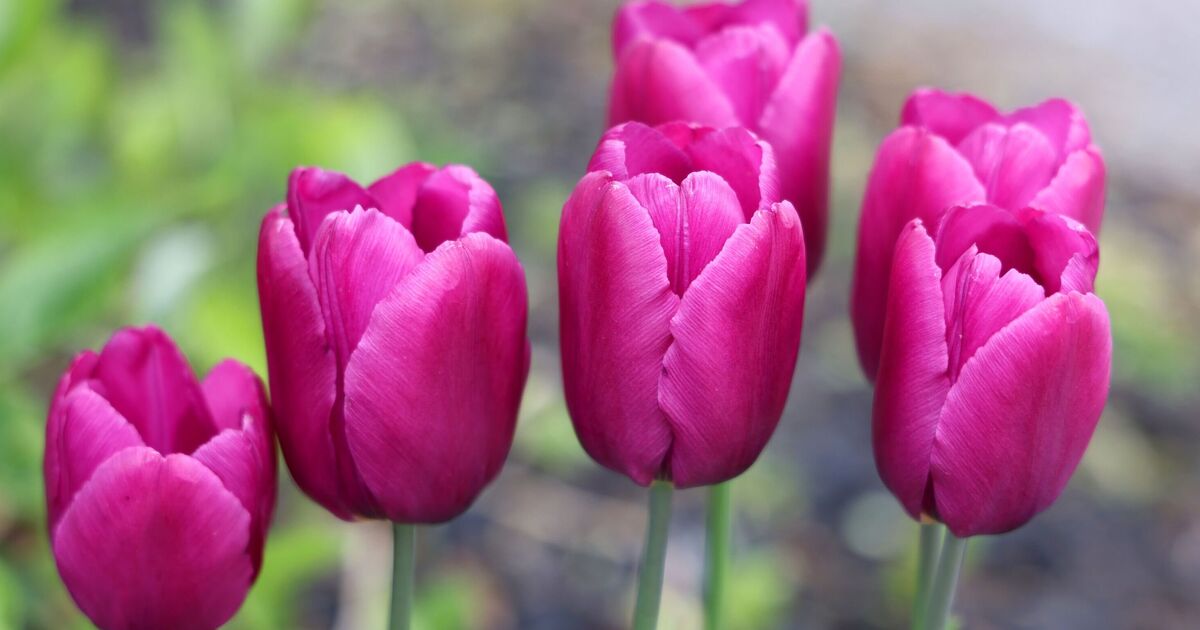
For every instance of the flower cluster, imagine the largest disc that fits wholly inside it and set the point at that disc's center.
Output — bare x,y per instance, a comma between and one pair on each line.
394,319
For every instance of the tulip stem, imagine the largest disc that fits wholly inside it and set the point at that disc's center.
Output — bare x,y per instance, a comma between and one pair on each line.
716,559
654,556
941,591
931,537
403,562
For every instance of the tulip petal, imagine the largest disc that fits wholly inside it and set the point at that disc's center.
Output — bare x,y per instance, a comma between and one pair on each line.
1077,190
1060,121
949,115
149,382
726,376
980,301
993,230
243,454
652,19
1014,163
746,163
616,304
397,192
916,175
789,17
357,259
301,363
154,542
83,430
439,372
632,148
798,123
912,381
455,201
657,81
1016,423
693,220
746,62
313,193
243,459
232,391
1056,241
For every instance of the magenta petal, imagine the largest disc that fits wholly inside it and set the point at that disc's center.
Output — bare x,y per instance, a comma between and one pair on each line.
912,381
746,163
313,193
232,392
154,542
693,220
1059,244
789,17
746,62
726,376
916,175
798,122
300,362
243,454
397,192
244,460
615,309
993,230
432,390
357,259
1014,163
633,148
456,201
652,19
1060,121
980,301
658,81
1077,190
149,382
949,115
1016,423
83,431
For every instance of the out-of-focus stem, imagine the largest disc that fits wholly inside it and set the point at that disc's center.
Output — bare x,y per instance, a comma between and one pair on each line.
654,556
941,592
716,563
403,563
931,538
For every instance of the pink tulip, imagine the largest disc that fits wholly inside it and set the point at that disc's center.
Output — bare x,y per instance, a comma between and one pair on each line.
994,366
749,64
395,339
681,287
955,149
159,489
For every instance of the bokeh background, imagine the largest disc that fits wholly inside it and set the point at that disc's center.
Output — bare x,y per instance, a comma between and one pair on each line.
141,142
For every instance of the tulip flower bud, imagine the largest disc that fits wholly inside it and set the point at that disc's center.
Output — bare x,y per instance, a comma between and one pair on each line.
394,320
749,64
681,287
955,149
159,489
994,366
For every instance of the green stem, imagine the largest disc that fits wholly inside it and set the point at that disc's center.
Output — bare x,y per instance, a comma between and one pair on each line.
654,556
403,561
717,554
931,536
941,592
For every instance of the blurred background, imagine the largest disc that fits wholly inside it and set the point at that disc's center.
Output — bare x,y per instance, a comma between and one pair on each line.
141,142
